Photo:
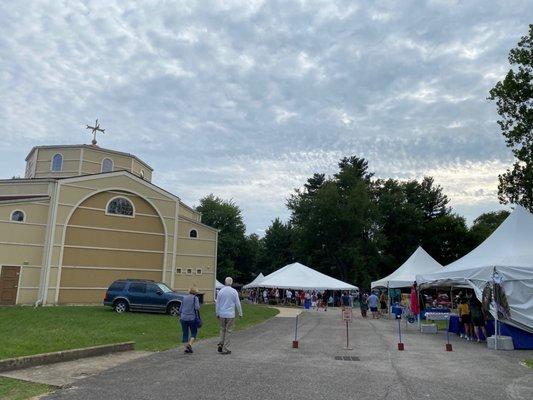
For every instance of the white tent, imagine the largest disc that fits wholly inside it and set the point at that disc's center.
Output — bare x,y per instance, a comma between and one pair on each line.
256,280
509,252
218,285
420,262
298,276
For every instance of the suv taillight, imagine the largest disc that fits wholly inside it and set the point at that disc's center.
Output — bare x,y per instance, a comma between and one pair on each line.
106,298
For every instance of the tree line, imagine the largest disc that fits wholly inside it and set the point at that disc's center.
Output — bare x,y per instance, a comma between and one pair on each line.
358,228
350,226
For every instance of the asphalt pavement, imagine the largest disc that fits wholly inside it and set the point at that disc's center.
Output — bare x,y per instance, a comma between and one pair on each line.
263,365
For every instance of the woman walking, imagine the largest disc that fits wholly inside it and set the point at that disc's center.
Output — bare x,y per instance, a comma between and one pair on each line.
382,304
189,318
363,304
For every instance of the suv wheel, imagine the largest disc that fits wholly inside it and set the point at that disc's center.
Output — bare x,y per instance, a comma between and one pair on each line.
174,309
121,306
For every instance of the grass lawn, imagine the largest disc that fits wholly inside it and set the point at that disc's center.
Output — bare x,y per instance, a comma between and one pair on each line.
13,389
529,362
29,330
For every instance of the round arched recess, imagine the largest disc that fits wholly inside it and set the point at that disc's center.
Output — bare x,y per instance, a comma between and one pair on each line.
100,247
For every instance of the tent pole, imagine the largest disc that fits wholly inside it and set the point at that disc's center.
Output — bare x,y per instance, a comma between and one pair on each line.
496,306
418,293
451,297
388,301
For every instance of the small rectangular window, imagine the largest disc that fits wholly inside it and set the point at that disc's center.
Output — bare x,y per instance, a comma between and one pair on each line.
117,286
198,271
189,271
178,271
137,288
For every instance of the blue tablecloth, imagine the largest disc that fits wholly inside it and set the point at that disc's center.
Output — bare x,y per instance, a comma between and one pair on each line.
521,339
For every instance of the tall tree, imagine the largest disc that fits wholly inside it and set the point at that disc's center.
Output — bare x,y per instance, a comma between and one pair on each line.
250,258
277,247
514,101
226,216
485,224
446,238
333,222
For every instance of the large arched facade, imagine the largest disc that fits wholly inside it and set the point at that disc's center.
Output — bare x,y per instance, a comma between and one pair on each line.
105,240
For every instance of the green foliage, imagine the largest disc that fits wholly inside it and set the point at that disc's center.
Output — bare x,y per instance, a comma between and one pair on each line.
333,220
355,227
514,101
485,224
226,216
277,247
358,228
446,238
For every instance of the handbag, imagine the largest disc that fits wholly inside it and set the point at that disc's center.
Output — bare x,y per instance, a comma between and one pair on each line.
198,320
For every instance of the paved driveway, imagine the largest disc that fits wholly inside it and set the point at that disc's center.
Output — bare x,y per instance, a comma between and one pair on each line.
263,365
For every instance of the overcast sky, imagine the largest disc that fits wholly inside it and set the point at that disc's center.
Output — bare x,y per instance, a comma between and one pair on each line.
248,99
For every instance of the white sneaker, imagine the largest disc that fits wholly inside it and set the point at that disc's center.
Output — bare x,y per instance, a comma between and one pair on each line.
462,335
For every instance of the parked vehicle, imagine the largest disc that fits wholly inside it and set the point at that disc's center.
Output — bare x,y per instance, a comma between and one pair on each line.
142,295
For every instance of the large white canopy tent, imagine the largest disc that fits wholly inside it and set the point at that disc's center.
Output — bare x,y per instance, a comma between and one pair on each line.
256,280
298,276
509,252
420,262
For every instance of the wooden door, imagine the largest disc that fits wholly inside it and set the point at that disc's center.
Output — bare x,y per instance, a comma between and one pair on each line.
9,280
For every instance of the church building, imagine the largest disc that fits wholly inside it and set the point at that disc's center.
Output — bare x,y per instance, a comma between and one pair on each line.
84,216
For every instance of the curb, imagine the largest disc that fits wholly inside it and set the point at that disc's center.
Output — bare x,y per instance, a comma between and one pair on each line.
11,364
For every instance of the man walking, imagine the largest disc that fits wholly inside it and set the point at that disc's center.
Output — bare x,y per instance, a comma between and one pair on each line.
227,302
373,303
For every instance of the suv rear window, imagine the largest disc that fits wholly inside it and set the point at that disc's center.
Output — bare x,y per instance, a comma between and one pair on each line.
137,288
117,286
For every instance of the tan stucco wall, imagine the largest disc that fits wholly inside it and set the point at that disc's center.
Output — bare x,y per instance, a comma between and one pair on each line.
90,158
22,244
138,167
71,162
15,187
83,243
204,232
95,241
188,213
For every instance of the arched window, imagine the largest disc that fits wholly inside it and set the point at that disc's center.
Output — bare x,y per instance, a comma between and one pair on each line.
18,216
107,165
57,162
120,206
193,233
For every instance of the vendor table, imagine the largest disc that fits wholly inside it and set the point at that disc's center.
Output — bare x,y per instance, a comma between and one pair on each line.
521,339
433,310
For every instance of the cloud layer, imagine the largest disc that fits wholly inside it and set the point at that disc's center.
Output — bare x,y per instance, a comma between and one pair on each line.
248,99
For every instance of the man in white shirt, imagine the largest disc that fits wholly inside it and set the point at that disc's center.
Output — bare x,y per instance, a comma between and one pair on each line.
227,301
288,296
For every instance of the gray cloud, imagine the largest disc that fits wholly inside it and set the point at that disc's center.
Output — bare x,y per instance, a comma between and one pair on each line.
247,99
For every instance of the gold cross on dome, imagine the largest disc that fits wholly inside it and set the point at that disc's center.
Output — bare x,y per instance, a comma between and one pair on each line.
95,129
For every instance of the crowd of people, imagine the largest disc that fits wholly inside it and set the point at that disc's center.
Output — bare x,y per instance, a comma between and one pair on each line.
315,299
376,301
472,313
473,317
